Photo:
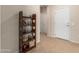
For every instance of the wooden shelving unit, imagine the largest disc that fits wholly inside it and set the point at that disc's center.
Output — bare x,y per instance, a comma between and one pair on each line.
27,32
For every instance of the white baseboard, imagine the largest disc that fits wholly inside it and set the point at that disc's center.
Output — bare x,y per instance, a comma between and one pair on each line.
74,41
12,51
37,41
64,39
8,51
50,35
0,50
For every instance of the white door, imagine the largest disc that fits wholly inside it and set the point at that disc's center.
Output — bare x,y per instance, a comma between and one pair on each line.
61,22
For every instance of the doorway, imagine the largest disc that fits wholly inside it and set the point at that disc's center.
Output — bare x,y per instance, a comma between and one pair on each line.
43,20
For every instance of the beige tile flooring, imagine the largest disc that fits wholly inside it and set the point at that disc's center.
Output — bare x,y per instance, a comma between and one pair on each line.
54,45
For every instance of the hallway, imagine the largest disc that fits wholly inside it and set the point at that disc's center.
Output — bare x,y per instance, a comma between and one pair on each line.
49,45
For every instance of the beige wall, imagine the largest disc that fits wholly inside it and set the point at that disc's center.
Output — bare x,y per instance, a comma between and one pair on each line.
10,24
10,29
30,9
74,27
50,21
0,28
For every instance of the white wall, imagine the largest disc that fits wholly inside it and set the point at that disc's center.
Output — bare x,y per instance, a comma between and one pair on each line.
59,17
61,20
0,28
73,14
73,26
10,26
